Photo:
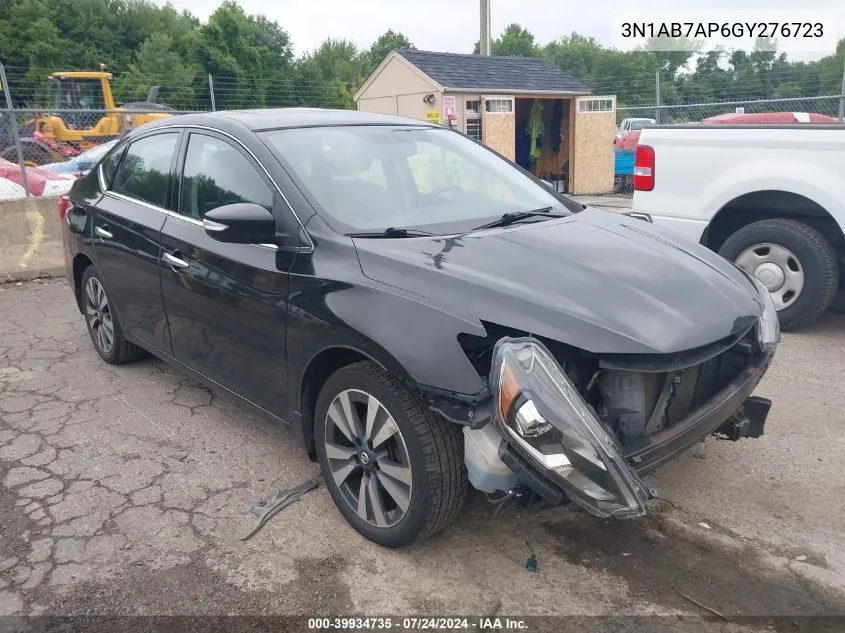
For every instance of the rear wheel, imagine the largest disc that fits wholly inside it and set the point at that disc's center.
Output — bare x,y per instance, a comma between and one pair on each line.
103,324
794,261
394,470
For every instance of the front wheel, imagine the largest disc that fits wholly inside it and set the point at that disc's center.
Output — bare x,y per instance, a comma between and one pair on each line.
794,261
394,470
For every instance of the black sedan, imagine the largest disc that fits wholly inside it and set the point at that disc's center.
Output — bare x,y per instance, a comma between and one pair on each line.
420,312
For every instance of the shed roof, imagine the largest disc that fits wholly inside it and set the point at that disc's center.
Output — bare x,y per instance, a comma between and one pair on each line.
458,71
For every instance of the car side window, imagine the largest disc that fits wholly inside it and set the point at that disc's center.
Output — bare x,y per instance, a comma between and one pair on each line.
109,165
145,169
217,174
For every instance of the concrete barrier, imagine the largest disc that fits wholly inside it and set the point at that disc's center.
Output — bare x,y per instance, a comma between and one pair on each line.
30,239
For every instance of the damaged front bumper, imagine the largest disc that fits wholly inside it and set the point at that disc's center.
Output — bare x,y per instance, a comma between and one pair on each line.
545,436
550,440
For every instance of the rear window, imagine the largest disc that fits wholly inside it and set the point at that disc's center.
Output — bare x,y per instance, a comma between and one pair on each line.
108,166
145,170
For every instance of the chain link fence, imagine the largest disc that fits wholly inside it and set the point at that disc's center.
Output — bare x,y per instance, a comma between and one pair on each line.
630,119
55,126
821,109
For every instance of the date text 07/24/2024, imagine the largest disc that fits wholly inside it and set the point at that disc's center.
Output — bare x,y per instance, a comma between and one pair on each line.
418,624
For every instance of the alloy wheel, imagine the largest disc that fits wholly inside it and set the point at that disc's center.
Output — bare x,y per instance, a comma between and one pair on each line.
99,316
368,458
777,268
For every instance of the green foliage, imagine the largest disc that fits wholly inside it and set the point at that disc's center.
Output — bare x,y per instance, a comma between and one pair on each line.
157,63
380,48
516,41
328,76
145,43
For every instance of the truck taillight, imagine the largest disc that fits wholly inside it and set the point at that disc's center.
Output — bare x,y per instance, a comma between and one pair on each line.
64,205
644,168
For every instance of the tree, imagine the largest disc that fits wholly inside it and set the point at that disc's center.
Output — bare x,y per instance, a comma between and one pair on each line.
672,53
387,41
329,75
246,54
158,64
576,54
30,45
516,41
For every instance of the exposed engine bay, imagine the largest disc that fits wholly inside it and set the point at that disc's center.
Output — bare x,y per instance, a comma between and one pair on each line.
571,425
637,396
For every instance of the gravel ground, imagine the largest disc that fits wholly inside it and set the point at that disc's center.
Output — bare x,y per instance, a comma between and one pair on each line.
125,490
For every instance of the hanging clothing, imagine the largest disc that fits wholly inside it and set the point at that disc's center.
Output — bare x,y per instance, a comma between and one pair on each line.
523,150
557,120
534,129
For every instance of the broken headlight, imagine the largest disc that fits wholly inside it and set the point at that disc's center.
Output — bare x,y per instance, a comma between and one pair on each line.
768,325
541,412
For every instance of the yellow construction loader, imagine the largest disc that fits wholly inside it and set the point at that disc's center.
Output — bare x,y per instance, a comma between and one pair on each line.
81,113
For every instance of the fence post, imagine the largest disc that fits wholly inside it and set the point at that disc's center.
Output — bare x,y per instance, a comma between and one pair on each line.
15,133
842,95
657,97
211,91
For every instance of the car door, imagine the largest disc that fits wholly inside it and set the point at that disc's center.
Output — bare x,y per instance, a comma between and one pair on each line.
127,226
226,303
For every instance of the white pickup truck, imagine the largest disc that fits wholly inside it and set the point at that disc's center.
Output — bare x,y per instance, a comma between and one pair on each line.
769,197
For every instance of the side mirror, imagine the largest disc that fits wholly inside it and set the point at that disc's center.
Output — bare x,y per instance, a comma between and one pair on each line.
240,223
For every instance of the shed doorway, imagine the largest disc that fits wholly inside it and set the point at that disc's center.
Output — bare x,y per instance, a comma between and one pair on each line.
543,139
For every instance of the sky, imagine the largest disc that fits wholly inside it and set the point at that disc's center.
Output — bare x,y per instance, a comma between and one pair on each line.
453,25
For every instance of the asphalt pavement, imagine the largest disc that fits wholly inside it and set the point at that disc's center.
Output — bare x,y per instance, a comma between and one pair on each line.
128,489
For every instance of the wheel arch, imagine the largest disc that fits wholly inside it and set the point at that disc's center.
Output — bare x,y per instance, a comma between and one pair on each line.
80,263
321,366
758,205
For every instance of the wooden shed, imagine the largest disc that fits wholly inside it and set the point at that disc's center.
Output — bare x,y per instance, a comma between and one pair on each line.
530,111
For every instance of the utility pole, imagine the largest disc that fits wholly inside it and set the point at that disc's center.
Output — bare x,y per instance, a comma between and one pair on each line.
842,97
484,42
657,97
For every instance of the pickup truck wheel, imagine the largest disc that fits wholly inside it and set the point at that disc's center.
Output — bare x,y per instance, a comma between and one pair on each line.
394,470
794,261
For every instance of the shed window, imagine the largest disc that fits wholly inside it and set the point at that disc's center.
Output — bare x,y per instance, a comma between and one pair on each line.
598,104
473,118
498,105
474,129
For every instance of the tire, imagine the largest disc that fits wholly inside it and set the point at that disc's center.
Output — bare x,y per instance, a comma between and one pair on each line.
429,451
118,351
806,249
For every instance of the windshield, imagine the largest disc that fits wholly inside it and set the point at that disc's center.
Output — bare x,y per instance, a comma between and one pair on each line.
639,124
77,94
371,178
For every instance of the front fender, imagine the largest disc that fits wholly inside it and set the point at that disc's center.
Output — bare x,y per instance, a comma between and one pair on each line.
414,341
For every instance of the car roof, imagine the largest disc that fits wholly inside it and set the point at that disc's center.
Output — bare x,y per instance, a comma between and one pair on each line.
278,118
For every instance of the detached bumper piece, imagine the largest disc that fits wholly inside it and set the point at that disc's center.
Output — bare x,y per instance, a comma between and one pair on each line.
749,422
557,446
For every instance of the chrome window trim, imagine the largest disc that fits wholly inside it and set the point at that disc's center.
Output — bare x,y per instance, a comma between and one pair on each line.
194,126
173,214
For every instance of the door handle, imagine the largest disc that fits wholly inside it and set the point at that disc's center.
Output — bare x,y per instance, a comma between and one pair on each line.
99,230
174,261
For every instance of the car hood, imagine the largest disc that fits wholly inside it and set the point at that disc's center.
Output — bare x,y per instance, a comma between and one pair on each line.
599,281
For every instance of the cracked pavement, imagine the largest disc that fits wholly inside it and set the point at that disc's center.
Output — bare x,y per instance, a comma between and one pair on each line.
125,490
